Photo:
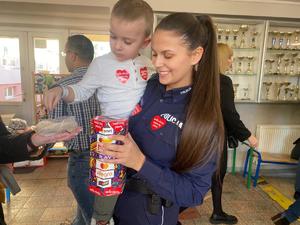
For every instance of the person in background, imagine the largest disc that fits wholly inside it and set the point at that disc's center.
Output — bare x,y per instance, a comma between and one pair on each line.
176,131
293,212
20,147
233,127
79,53
119,78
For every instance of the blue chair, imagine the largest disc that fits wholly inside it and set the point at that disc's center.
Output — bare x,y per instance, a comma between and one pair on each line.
264,157
7,194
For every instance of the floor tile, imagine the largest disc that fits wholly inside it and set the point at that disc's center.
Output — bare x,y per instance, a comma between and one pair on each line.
45,199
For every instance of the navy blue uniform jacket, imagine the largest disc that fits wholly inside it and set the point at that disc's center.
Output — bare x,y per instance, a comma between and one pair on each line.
156,128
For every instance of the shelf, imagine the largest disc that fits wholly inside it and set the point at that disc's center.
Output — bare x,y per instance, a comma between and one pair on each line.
246,49
283,50
280,101
244,101
280,75
58,155
241,74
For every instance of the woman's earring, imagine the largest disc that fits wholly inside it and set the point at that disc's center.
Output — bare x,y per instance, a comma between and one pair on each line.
196,67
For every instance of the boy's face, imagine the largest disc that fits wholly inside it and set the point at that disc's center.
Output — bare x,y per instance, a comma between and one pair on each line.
127,37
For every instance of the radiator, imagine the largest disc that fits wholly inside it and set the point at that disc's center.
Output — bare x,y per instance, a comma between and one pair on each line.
277,138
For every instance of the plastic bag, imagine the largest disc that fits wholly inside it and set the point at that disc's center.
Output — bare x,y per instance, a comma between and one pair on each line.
17,126
56,126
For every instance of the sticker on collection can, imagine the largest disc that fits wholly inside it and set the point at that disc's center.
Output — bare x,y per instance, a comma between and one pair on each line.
106,179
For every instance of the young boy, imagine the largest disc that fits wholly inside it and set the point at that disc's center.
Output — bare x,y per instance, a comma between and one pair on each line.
119,77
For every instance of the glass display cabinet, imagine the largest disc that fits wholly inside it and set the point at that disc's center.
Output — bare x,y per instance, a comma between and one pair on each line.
266,58
281,63
245,37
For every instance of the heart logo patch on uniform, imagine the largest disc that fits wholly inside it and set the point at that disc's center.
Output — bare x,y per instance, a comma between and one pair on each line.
122,75
144,73
157,123
136,110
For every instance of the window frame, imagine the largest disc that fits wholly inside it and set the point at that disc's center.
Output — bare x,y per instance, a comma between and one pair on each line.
23,51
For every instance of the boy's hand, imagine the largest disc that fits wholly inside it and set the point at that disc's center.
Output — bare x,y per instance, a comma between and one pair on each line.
52,97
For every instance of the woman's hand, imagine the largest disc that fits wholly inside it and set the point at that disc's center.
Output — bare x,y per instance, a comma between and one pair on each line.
253,141
127,154
39,140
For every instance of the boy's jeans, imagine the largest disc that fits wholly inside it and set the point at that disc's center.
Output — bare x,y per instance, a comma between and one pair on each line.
78,179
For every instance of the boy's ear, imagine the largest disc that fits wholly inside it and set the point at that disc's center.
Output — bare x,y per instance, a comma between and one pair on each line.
197,55
147,40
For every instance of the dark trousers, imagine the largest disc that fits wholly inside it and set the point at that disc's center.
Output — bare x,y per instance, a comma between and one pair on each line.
217,183
297,183
2,222
293,212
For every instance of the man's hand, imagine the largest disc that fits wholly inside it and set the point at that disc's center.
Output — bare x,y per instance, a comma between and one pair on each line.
52,97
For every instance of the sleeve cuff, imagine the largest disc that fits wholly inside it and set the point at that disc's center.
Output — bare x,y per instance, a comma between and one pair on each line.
150,171
76,99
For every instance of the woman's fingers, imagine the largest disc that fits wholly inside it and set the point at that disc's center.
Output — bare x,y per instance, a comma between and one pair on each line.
128,153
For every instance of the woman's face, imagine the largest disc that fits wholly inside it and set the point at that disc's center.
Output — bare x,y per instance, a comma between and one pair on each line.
172,59
229,62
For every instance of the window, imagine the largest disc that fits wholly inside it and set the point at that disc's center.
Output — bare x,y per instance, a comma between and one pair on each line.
100,42
10,74
46,55
9,93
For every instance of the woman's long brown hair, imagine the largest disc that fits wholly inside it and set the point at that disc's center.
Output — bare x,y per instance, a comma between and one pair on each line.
203,133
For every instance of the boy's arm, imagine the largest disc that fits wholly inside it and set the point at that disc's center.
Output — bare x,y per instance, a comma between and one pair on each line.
81,91
54,95
85,88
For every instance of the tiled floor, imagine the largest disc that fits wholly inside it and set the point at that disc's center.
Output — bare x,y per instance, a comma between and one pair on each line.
46,200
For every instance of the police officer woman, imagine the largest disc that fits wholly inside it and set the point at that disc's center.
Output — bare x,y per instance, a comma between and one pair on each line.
177,129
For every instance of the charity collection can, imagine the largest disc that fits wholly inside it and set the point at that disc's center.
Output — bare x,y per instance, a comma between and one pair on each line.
105,179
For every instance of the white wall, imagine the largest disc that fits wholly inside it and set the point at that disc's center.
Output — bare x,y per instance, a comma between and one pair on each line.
264,8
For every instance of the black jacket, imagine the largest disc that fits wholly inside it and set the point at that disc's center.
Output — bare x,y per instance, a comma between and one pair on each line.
13,148
233,124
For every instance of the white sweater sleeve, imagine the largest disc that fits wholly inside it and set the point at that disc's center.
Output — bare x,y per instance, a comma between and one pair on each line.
90,82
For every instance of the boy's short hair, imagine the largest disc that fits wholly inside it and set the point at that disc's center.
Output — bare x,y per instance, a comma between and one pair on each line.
132,10
82,46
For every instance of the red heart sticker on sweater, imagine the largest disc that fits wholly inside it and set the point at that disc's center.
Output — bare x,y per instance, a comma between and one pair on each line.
136,110
144,73
157,122
122,75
